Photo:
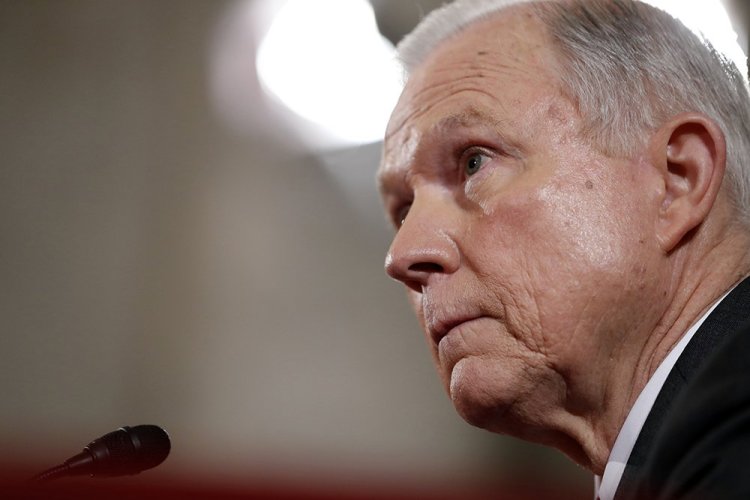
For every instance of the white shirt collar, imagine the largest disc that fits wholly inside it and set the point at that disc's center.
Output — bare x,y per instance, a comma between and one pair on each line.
606,485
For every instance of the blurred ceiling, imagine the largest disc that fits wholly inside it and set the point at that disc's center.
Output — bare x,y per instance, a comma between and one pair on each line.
739,11
396,18
243,104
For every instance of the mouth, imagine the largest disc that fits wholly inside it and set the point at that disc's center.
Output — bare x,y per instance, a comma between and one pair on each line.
440,327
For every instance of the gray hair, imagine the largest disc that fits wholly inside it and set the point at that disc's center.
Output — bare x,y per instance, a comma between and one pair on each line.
627,66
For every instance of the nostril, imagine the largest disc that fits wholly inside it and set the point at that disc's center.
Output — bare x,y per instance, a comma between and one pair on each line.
426,267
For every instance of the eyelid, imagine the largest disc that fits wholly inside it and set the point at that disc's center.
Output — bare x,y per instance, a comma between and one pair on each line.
399,213
493,147
476,149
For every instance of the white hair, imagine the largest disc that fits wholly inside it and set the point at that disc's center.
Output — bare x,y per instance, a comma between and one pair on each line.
628,66
442,23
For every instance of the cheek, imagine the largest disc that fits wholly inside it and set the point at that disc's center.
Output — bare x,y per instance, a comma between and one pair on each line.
560,259
514,258
603,271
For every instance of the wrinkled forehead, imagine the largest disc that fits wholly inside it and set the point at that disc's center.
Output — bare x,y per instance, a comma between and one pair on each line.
510,27
513,39
452,18
495,62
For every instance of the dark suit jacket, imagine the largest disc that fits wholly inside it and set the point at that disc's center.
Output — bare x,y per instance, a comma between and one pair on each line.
695,443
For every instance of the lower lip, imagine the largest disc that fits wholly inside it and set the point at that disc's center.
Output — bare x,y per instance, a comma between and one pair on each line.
450,345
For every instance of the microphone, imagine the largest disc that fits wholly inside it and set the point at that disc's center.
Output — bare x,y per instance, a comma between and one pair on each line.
128,450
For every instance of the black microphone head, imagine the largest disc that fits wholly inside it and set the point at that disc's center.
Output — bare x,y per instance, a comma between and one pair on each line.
129,450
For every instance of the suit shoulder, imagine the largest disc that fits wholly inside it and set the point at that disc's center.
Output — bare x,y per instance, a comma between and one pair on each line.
703,449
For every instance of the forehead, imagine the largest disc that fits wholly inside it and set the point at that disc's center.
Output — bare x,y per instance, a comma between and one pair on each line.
490,72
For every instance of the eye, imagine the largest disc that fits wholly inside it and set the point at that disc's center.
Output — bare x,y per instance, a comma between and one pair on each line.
400,215
473,163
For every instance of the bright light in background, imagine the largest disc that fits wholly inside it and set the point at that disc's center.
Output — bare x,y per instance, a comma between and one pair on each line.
327,61
709,18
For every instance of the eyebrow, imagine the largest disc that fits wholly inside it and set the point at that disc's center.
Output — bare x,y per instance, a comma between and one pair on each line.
469,117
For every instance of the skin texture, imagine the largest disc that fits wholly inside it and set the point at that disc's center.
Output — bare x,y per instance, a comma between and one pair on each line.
548,277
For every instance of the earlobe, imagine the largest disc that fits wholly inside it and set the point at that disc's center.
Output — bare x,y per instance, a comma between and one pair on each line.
690,151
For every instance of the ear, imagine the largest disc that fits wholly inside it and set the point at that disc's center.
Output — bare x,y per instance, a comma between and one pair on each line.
690,152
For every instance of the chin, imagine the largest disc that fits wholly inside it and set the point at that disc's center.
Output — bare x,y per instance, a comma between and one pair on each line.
511,398
483,416
478,397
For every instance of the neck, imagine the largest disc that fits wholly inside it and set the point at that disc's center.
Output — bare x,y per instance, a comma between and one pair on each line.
697,275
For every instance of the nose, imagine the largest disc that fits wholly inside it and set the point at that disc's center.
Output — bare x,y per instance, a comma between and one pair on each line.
424,245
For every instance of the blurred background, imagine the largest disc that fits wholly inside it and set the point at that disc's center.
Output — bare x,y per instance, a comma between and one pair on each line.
190,236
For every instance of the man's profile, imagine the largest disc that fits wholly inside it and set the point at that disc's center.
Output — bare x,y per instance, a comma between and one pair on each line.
570,190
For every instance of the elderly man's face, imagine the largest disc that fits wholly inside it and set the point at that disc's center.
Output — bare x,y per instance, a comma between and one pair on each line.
529,255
